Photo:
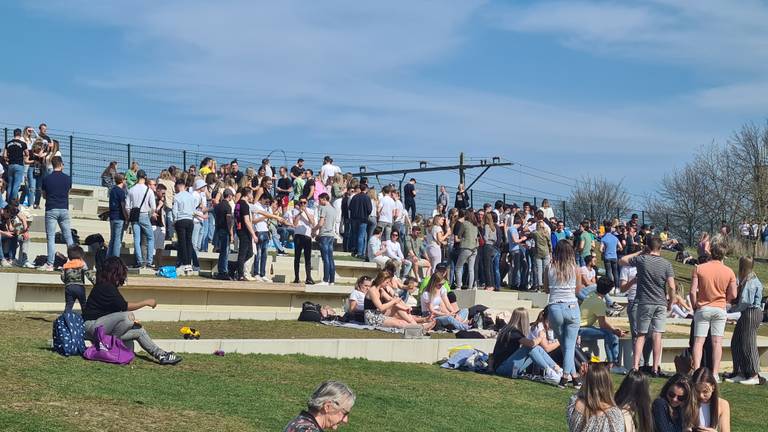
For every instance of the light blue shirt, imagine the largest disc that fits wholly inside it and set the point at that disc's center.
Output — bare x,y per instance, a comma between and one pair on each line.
751,296
610,242
184,205
513,233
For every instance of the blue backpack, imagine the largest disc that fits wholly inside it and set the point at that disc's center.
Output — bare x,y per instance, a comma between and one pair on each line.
69,334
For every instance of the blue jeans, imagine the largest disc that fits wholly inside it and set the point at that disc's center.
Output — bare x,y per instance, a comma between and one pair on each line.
31,186
516,266
521,359
447,321
115,237
360,236
221,237
143,226
580,261
54,217
209,226
347,237
564,320
611,341
588,290
276,239
612,270
15,178
260,260
197,235
496,270
326,254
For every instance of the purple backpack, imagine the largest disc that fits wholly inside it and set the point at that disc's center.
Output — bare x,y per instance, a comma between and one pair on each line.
108,349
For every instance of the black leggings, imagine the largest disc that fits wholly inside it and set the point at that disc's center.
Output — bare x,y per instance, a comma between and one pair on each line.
244,251
301,244
184,245
71,293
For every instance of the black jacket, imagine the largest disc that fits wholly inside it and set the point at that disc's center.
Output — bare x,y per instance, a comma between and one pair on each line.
360,207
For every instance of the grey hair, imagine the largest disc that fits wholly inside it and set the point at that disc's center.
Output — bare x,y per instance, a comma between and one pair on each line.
330,391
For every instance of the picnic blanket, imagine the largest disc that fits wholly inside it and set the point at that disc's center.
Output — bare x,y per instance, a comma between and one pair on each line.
361,326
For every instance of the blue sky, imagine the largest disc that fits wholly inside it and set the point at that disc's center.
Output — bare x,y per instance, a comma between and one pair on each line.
628,90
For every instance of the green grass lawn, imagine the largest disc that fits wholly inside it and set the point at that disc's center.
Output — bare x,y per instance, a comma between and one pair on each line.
41,391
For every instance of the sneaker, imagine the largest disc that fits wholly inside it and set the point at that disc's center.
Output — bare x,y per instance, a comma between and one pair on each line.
6,263
266,280
331,283
46,268
717,378
196,269
296,281
552,376
169,358
755,380
180,271
735,379
249,277
576,382
309,282
28,265
323,283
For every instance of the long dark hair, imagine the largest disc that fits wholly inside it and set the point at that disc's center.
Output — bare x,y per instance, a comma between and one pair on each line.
688,411
635,394
701,376
113,272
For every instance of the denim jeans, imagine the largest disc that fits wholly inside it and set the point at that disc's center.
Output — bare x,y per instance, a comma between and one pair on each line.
515,266
451,321
15,178
276,239
564,320
347,236
612,271
466,256
284,233
197,235
170,224
541,266
115,237
222,243
54,217
326,254
496,270
209,226
587,290
360,236
610,338
524,357
31,186
260,254
145,227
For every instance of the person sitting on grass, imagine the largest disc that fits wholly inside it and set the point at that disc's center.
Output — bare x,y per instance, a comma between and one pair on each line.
593,311
675,409
385,310
530,350
593,409
73,275
435,303
714,411
634,399
106,307
327,408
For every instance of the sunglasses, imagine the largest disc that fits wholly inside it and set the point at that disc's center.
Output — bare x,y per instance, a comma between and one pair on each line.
673,396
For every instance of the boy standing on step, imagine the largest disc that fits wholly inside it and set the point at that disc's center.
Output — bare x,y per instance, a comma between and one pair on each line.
73,274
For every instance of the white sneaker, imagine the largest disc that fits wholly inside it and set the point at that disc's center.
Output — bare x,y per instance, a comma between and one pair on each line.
322,284
735,379
6,263
180,271
332,284
717,378
28,265
266,280
552,376
46,268
752,381
249,277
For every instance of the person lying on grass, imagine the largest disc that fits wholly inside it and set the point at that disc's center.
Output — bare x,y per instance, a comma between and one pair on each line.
106,307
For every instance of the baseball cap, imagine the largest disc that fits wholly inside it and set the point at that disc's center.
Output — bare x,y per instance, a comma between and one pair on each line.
141,174
199,184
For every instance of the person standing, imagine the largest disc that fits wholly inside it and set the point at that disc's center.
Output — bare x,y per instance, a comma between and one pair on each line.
140,202
387,211
713,284
746,358
302,220
462,198
467,237
15,153
184,205
326,223
283,190
442,198
609,247
55,190
117,215
655,283
360,207
586,243
223,234
409,198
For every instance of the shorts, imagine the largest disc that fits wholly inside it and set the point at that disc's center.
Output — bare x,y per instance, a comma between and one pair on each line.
650,317
708,319
374,318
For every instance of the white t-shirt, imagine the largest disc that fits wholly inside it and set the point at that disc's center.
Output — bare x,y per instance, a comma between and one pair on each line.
302,227
388,207
393,250
589,273
400,211
262,225
628,273
359,299
328,171
536,331
432,235
434,305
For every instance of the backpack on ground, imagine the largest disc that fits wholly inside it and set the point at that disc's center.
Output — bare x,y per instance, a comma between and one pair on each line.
167,272
69,334
108,349
310,312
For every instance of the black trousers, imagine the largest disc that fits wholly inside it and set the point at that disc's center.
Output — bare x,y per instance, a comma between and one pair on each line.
244,251
184,245
302,245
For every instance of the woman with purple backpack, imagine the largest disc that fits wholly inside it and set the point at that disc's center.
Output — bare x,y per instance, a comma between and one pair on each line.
107,308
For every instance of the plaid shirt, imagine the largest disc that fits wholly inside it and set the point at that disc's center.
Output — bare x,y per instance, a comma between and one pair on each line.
304,422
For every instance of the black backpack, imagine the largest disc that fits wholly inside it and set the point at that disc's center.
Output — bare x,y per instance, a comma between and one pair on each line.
310,312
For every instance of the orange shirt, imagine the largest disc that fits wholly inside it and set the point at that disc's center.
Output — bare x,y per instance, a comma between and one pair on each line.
714,278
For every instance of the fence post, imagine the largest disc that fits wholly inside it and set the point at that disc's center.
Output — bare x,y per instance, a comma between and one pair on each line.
534,202
129,156
184,160
667,219
5,130
591,211
504,198
564,219
472,198
642,212
71,159
618,213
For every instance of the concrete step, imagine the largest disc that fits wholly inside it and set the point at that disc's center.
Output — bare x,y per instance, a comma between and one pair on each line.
495,300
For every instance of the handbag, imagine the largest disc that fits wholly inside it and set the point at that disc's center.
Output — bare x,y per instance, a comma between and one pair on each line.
108,349
133,216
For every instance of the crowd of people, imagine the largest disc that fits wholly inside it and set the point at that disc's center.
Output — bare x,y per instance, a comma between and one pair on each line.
422,261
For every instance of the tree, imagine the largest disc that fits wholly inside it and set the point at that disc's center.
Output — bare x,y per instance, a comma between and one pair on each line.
597,198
